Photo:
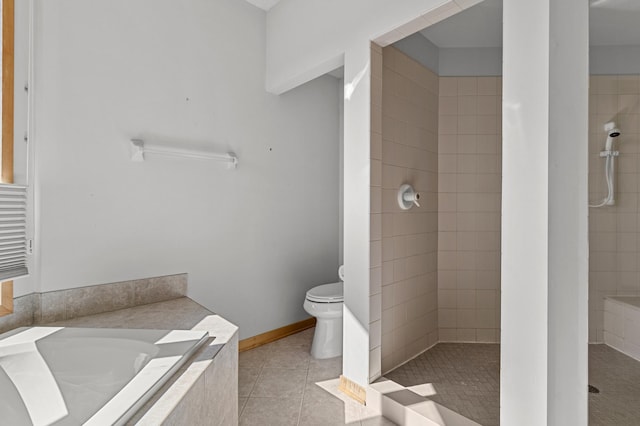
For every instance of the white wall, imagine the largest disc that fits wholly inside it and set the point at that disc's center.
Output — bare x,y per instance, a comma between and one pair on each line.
461,62
307,38
21,152
614,60
543,374
252,240
357,149
452,62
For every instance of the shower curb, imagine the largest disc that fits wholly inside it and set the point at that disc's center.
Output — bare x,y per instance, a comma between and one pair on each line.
410,407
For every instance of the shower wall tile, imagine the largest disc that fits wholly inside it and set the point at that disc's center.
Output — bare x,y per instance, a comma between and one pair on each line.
469,194
410,145
614,231
380,222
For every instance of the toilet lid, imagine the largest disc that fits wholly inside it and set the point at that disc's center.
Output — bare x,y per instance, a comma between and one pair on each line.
327,293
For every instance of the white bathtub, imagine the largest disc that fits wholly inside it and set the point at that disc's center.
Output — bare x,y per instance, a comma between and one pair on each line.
72,376
622,324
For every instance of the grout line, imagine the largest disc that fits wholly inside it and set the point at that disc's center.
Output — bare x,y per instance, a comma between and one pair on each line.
250,395
304,389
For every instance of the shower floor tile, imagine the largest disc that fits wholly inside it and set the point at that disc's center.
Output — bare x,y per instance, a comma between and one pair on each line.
617,376
466,379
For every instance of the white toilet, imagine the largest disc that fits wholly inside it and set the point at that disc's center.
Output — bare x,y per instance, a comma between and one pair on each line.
325,303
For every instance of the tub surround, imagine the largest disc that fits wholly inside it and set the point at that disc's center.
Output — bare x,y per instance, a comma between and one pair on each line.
41,308
204,391
25,309
89,376
622,324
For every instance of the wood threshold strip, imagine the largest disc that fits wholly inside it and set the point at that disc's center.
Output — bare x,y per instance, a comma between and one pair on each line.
353,390
6,298
6,288
277,334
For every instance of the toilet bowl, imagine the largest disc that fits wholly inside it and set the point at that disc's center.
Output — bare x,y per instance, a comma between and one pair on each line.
325,303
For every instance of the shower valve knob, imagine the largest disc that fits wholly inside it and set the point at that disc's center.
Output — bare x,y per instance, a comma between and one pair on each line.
408,197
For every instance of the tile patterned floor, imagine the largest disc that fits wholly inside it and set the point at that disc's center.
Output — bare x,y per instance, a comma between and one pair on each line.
466,379
277,387
617,376
277,384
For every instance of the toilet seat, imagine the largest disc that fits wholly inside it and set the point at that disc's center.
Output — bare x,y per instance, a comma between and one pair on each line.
327,293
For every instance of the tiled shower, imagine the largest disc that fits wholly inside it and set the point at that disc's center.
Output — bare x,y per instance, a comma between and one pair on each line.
469,183
409,239
439,266
614,239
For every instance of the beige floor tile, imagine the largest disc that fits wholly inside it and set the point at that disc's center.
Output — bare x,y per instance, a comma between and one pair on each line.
280,383
324,369
271,412
319,408
377,421
294,357
277,387
246,380
253,358
241,403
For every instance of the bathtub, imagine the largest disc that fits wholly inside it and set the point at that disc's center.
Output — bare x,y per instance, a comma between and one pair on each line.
91,376
622,324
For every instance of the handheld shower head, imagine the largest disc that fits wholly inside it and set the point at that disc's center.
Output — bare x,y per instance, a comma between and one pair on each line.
612,130
609,166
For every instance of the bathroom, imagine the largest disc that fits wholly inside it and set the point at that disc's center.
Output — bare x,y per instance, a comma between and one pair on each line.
464,55
110,225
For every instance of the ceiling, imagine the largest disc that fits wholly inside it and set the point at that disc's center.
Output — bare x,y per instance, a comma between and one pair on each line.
611,23
263,4
478,26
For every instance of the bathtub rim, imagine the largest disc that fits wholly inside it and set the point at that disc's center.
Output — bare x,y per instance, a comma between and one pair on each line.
140,388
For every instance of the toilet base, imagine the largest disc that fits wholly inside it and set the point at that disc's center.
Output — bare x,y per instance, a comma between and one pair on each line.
327,339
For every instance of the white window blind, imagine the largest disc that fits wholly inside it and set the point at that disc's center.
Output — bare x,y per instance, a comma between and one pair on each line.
13,231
